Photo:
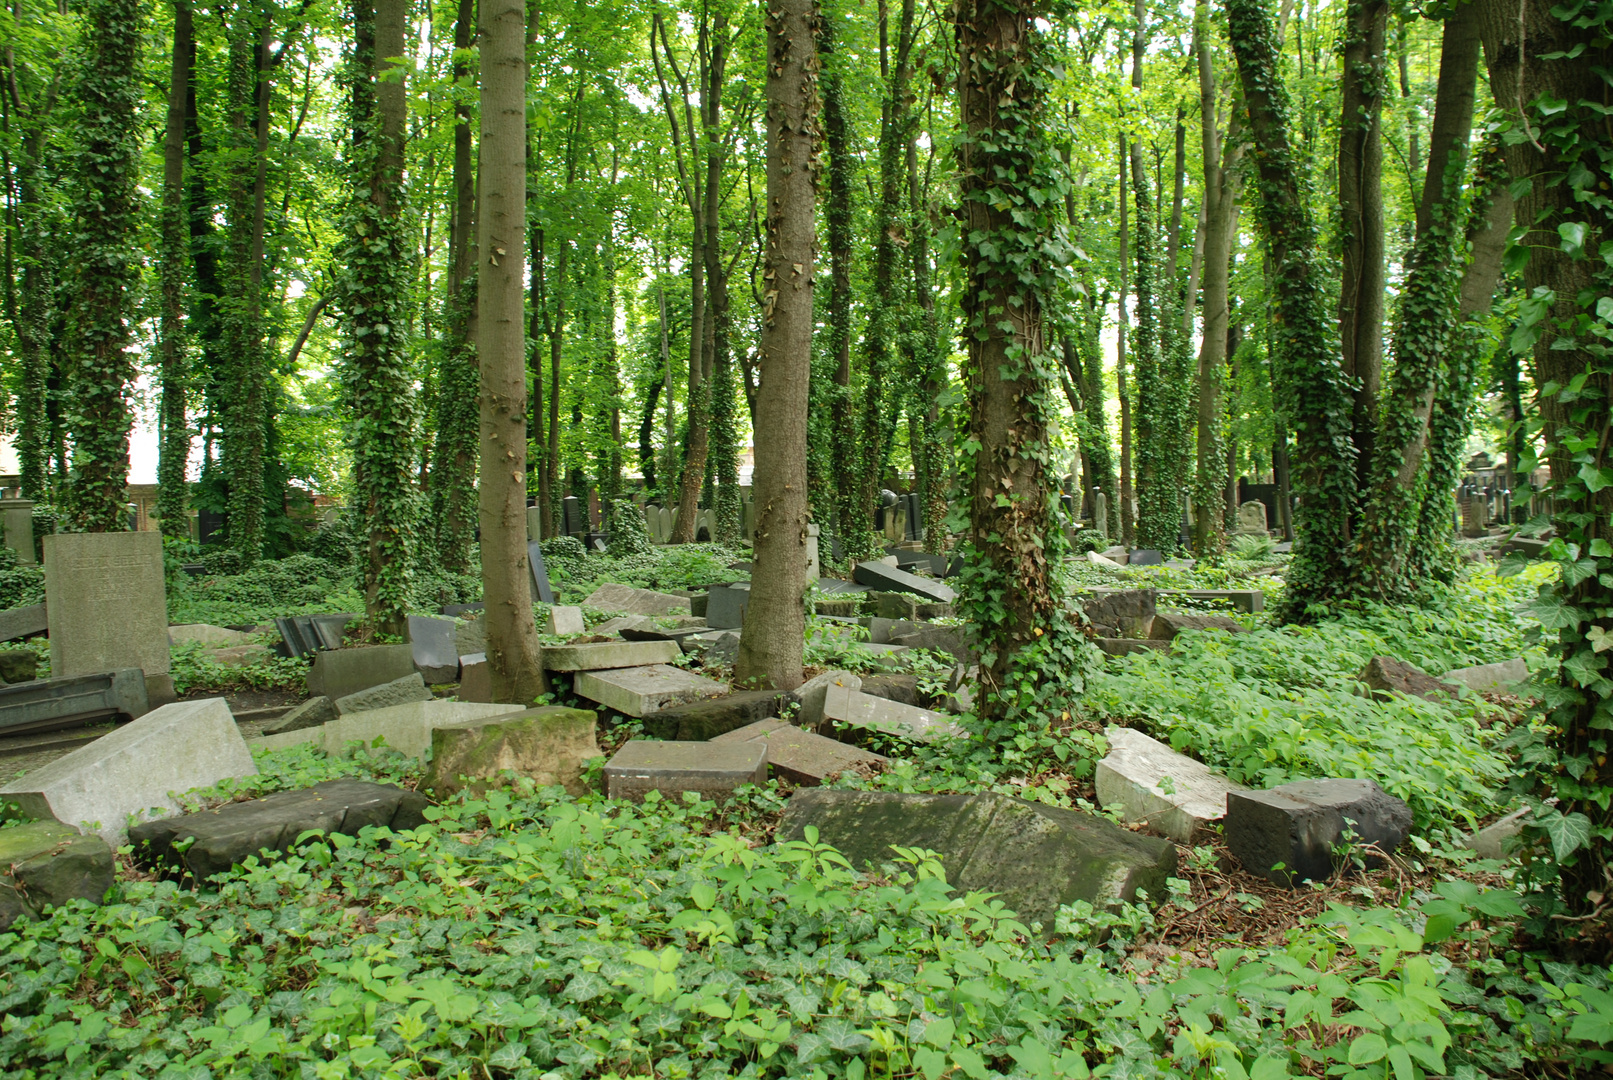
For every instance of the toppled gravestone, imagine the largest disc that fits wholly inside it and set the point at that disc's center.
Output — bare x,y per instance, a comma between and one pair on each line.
312,713
640,691
228,835
863,713
724,652
801,757
550,745
1127,613
726,604
1034,857
599,656
631,601
1167,624
339,672
564,621
216,637
877,575
80,699
810,694
1385,676
1288,834
1170,793
713,770
412,687
23,622
433,649
405,729
44,864
1499,678
942,639
701,720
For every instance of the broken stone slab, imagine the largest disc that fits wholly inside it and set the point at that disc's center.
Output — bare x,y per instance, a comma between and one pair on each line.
810,694
1114,646
724,652
640,691
708,719
470,636
1125,613
621,623
397,692
1297,826
893,687
23,622
876,575
840,587
305,635
1170,793
1167,624
404,728
862,713
712,770
630,601
44,864
550,745
1492,841
229,835
604,655
475,678
1034,857
542,590
808,760
761,729
941,639
137,768
1502,678
18,665
314,712
564,621
216,636
44,704
1384,676
725,606
901,606
433,649
339,672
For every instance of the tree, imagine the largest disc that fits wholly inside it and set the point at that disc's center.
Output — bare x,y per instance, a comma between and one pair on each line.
173,256
771,647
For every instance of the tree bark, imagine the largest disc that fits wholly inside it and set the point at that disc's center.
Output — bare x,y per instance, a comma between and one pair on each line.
1128,515
172,347
844,441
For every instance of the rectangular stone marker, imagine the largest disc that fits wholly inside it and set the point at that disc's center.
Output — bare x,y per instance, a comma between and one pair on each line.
542,590
104,596
858,710
602,655
759,730
564,621
622,622
814,563
890,579
713,770
132,769
405,728
640,691
1170,793
44,704
18,515
475,680
666,525
23,622
699,720
725,606
431,645
534,524
571,510
339,672
397,692
800,756
631,601
1252,519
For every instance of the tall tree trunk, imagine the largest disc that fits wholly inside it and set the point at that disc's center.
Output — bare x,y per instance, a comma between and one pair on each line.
771,647
37,308
1128,514
935,446
844,445
172,348
512,636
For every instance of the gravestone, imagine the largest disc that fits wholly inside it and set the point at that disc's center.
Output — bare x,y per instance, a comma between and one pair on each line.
1288,834
534,524
339,672
571,512
1252,519
814,563
475,678
315,712
802,758
640,691
1473,517
1101,514
431,645
711,717
603,655
107,608
863,713
550,746
45,704
1169,793
18,515
725,606
1145,557
631,601
713,770
542,590
23,622
402,691
405,729
652,521
564,621
1167,625
890,579
664,528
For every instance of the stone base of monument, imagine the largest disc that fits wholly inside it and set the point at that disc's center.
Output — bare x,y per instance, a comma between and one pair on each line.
45,704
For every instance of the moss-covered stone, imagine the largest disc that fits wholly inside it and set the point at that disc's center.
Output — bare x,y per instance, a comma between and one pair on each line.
44,864
550,745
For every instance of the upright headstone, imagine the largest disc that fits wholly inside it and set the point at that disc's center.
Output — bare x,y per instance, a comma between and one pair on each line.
814,565
652,522
534,524
19,526
1100,514
541,588
571,509
664,528
1473,516
107,609
1252,518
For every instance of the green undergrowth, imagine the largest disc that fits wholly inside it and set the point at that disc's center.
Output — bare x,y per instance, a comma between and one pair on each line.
298,585
576,574
193,668
526,935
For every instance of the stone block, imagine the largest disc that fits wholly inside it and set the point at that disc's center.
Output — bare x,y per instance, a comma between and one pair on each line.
18,665
136,768
1123,613
640,691
893,687
18,518
901,606
397,692
314,712
708,719
1145,557
1298,824
44,864
1502,678
1493,841
433,649
604,655
1034,857
45,704
230,834
564,621
105,599
724,652
621,623
631,601
725,606
712,770
807,760
404,728
218,637
337,673
942,639
890,579
470,636
1167,624
862,713
810,695
1169,793
542,590
475,678
841,587
550,745
761,729
1127,646
23,622
1384,676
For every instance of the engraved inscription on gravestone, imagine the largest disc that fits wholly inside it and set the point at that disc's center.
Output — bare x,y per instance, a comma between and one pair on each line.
105,602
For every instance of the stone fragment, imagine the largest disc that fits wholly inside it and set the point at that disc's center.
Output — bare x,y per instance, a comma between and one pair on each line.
564,621
876,575
136,768
1114,646
1385,676
1168,792
630,601
1124,613
640,691
713,770
404,728
18,665
725,606
808,760
1298,824
433,649
470,636
1252,519
339,672
810,695
902,606
621,623
1500,678
105,599
1167,624
1492,841
761,729
23,622
44,864
601,656
699,720
52,703
724,652
216,636
550,745
542,590
397,692
475,678
1034,857
17,517
310,714
893,687
862,713
230,834
941,639
1102,560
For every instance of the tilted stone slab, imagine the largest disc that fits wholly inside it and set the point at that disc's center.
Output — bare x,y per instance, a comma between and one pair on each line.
412,687
941,639
230,834
215,636
136,769
890,579
42,704
23,622
801,757
601,656
1168,792
761,729
550,746
810,694
1034,857
404,728
433,649
631,601
1167,624
312,713
621,623
713,770
640,691
44,864
725,606
564,621
863,713
339,672
1296,826
701,720
1502,678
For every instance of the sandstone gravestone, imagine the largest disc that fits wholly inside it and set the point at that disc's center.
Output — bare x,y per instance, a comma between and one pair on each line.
534,524
640,691
1252,519
725,606
1100,514
631,601
601,655
1169,793
551,746
44,864
712,770
397,692
1288,834
707,719
801,757
564,621
136,768
861,713
18,518
475,678
1473,517
107,608
339,672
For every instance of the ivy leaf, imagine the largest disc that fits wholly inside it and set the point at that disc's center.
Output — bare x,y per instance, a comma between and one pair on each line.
932,1063
1600,639
1583,667
1553,612
1571,237
1568,833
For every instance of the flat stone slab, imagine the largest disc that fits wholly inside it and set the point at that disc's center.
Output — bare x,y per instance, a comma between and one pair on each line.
713,770
1170,793
44,864
701,720
761,729
1501,678
808,760
889,579
601,656
339,672
621,623
137,768
1034,857
43,704
631,601
404,728
640,691
310,714
230,834
550,745
564,621
412,687
433,649
23,622
864,712
1167,624
219,637
1296,826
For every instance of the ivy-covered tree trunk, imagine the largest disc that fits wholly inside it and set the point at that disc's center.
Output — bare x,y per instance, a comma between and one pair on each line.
771,647
173,259
1128,510
376,371
1031,657
37,218
105,261
934,455
512,636
844,438
1314,391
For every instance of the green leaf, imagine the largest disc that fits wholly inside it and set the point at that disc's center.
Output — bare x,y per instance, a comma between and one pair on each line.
932,1063
938,1033
1568,832
1365,1049
1571,236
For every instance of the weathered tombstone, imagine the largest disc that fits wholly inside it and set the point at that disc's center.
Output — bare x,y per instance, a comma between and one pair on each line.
672,768
1100,514
23,622
1288,834
1145,557
549,745
534,524
19,526
339,672
564,621
542,590
814,564
77,699
652,521
631,601
640,691
669,521
107,608
1252,519
888,578
431,643
1473,517
725,606
1169,793
45,864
